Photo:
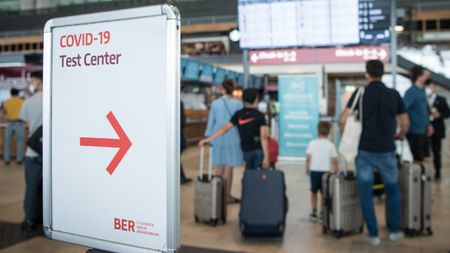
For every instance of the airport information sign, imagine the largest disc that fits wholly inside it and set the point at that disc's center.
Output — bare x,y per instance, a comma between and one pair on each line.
299,113
111,129
309,23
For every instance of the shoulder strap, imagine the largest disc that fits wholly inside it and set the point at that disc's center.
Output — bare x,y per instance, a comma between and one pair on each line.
226,106
358,95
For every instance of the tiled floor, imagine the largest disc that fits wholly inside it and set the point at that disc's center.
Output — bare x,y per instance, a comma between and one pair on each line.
301,235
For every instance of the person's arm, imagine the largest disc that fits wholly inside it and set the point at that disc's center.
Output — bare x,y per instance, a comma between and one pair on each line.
334,164
344,115
443,109
308,163
217,134
265,145
408,100
403,121
343,118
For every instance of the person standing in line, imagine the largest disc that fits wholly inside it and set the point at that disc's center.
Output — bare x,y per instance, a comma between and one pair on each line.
14,126
32,114
381,109
253,132
416,104
321,158
183,144
227,152
439,112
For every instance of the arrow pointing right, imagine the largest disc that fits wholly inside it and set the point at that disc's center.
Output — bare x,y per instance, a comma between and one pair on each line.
123,143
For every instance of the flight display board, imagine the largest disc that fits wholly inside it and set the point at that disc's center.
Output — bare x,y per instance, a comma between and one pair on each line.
288,23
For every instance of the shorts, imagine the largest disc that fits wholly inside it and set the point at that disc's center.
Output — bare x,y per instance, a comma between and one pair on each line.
419,145
316,180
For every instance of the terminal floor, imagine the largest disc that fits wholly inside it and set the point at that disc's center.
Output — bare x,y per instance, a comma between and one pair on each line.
301,234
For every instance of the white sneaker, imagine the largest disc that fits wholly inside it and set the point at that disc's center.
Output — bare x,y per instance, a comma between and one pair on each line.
374,241
394,237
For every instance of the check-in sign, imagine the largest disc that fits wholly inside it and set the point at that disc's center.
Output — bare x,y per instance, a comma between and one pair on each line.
111,129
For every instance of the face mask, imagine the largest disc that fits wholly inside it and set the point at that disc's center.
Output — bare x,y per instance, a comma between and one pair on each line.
428,91
32,89
262,107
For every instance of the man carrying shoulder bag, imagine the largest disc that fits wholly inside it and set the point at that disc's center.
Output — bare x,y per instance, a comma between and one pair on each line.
380,109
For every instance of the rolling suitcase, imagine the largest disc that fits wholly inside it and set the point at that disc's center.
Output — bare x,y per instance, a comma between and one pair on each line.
264,204
342,211
210,195
415,187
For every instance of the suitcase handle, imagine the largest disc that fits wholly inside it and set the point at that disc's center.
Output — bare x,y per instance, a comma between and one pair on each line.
202,162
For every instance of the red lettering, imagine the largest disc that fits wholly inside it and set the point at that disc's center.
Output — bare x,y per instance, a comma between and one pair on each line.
116,224
131,225
124,225
89,39
61,41
78,39
69,41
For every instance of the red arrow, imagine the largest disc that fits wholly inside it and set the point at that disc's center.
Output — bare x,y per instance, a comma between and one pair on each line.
123,143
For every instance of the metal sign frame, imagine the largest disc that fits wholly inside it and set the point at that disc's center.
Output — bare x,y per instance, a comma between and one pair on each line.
172,76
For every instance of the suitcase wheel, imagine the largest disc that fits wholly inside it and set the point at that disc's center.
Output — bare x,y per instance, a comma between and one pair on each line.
197,220
213,223
429,231
361,229
324,230
410,233
339,234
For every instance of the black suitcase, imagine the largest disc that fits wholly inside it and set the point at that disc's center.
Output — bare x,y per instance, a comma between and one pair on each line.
264,204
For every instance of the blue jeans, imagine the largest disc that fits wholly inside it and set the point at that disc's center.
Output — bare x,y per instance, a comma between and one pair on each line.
386,164
253,159
14,128
33,192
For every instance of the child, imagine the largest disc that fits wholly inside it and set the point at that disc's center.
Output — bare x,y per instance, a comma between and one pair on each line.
320,155
252,128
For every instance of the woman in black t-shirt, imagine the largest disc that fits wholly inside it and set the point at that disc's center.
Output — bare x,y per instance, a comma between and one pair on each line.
252,127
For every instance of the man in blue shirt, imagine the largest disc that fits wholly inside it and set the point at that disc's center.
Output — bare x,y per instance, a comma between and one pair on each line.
416,104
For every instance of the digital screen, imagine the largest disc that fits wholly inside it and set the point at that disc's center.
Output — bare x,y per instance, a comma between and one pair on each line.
192,70
220,75
240,80
232,75
258,82
207,73
288,23
374,21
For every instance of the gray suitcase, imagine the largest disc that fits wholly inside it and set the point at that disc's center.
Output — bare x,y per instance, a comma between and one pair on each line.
342,212
210,195
415,186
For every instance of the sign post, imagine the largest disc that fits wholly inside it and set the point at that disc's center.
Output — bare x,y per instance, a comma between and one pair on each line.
111,130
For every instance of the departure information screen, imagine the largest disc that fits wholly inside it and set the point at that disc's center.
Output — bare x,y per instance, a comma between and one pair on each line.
287,23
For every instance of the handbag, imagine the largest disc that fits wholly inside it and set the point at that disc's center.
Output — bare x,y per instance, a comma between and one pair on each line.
348,147
35,141
403,150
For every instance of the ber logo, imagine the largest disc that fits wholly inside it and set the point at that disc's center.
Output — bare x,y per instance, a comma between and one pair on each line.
124,225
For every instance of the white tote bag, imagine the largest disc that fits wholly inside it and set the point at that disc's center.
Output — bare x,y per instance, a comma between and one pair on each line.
348,147
404,151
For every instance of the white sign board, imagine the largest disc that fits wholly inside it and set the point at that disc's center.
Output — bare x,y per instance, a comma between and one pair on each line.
111,129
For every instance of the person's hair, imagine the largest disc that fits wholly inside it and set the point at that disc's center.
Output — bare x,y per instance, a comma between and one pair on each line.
37,74
14,92
229,85
416,71
250,95
375,68
324,128
429,81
